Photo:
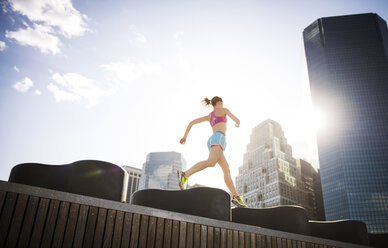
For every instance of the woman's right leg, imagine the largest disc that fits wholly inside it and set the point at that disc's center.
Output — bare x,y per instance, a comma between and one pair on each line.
236,200
214,155
227,177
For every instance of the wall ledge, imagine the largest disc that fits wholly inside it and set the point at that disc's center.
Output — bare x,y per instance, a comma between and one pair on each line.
86,200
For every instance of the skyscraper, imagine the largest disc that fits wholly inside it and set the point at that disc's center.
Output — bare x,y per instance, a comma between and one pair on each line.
269,175
312,184
347,60
160,170
134,175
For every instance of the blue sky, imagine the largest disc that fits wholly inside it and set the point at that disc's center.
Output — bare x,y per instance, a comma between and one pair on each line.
115,80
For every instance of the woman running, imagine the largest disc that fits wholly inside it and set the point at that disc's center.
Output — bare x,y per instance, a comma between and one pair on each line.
216,145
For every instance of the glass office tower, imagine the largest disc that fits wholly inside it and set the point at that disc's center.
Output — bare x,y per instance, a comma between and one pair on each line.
347,60
160,171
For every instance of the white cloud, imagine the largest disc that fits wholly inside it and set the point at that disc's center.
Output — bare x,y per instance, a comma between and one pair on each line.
49,18
184,65
3,46
40,36
62,95
16,68
74,87
4,7
176,36
138,36
24,85
37,92
128,71
54,13
148,68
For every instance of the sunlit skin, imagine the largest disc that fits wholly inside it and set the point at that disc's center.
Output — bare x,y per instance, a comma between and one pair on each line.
216,154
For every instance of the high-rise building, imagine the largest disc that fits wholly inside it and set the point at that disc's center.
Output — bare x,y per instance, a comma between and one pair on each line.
195,186
319,196
312,184
269,175
347,61
160,170
134,175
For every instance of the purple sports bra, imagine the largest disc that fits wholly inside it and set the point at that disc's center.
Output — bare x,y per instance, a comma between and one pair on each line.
216,119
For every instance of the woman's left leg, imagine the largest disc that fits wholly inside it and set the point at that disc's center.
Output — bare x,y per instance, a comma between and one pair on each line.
227,177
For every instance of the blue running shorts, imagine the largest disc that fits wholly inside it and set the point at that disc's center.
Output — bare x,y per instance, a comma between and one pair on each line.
217,138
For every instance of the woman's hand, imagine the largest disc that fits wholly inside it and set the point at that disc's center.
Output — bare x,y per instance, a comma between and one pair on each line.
183,141
237,124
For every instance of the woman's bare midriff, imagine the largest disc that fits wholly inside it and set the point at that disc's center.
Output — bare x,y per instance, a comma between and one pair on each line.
220,127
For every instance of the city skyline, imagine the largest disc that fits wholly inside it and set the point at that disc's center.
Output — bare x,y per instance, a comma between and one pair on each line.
115,81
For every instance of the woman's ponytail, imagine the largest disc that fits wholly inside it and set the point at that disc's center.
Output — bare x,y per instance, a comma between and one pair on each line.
206,101
212,102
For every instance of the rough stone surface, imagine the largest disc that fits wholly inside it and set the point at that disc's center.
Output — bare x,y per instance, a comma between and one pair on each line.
206,202
292,219
351,231
87,177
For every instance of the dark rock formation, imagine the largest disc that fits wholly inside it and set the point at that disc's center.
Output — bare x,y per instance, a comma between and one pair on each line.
291,219
88,177
206,202
351,231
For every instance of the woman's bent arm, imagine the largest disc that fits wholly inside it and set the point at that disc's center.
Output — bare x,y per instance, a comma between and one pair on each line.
234,118
192,123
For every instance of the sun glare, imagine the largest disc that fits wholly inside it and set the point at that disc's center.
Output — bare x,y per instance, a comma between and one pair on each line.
319,120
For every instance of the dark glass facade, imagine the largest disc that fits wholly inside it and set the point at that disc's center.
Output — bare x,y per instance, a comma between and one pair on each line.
311,183
347,60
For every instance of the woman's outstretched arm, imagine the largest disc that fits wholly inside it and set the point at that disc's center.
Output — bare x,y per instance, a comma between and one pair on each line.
234,118
193,122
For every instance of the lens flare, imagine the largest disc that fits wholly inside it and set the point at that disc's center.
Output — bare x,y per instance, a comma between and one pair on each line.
319,119
94,173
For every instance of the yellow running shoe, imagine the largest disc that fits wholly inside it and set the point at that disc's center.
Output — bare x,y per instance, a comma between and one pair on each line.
238,201
182,179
